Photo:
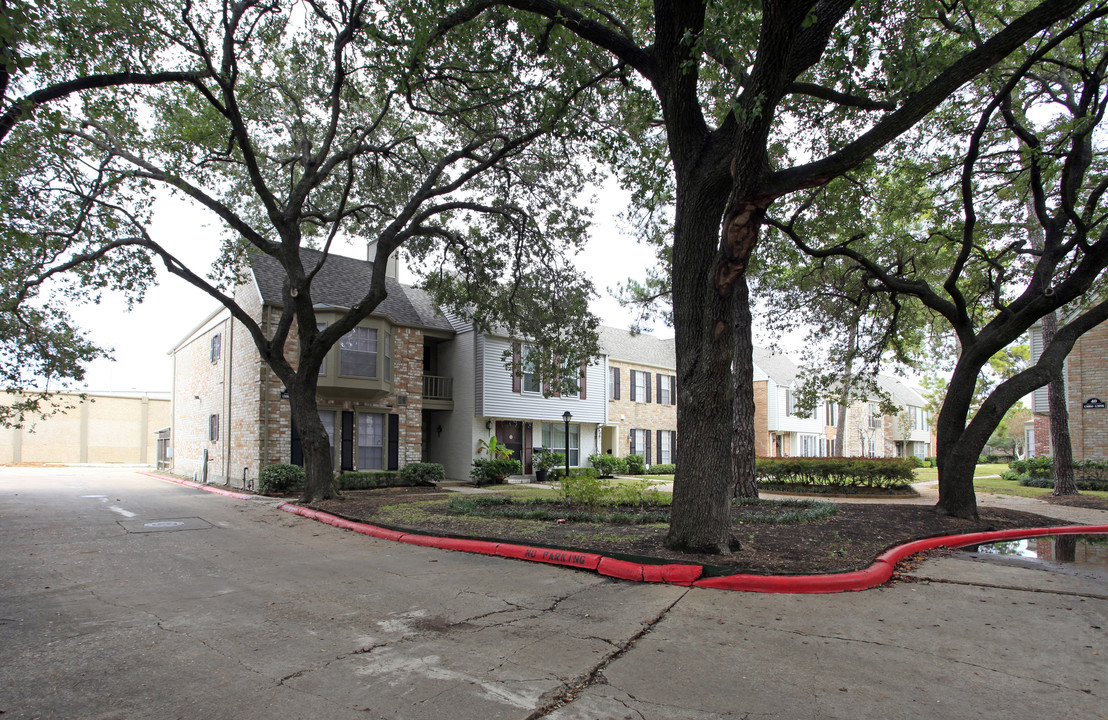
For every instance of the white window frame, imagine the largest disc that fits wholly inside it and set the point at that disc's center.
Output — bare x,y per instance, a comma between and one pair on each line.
529,382
665,452
216,347
371,429
553,437
638,379
665,390
348,347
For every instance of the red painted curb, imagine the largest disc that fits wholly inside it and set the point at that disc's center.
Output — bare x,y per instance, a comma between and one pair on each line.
690,575
199,486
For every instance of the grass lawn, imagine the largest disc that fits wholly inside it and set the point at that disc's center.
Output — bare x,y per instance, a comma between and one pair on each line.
986,478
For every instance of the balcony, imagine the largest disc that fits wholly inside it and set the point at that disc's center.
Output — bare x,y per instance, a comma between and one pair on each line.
438,392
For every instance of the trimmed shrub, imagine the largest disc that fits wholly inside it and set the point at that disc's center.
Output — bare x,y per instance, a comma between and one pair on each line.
883,473
281,479
663,469
636,465
1039,467
606,465
422,473
487,471
367,480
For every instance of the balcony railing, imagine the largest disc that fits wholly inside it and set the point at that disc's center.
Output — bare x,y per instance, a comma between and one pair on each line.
438,388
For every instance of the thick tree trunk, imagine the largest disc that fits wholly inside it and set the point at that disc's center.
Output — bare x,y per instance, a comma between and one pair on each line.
1062,448
956,449
318,467
742,373
700,517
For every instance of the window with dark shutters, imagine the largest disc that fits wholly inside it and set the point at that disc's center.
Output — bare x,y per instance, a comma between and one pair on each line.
615,383
517,375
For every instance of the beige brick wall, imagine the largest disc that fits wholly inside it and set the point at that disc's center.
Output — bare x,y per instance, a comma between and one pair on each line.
763,439
1087,377
106,428
638,414
255,421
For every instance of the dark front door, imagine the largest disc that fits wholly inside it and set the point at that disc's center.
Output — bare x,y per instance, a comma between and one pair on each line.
510,434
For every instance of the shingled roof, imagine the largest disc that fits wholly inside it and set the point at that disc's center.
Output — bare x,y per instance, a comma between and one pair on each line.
637,348
343,281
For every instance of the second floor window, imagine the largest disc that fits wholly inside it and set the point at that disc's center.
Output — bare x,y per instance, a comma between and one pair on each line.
639,383
874,415
358,353
665,389
531,382
831,410
217,344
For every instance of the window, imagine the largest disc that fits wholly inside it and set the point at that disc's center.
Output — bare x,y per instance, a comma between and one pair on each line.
638,442
217,344
808,446
327,417
554,437
531,381
665,439
831,411
358,353
873,448
371,441
615,384
388,357
874,415
640,384
569,371
213,428
323,365
665,389
790,402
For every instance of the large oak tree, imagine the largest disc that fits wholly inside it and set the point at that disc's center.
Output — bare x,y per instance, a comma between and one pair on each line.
759,101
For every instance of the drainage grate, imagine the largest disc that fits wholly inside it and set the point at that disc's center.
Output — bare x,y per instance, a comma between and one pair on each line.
164,525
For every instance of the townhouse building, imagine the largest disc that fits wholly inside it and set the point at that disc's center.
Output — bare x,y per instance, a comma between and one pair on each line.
1086,378
642,396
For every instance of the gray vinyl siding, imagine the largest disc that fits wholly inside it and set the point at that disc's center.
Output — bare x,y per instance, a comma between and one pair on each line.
479,374
496,399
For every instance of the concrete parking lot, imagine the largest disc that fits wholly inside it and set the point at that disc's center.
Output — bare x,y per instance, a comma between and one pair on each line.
122,596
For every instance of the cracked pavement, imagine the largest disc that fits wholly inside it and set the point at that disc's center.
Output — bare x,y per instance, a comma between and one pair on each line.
267,615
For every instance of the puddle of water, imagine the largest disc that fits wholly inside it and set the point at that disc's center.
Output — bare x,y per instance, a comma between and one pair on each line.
1069,551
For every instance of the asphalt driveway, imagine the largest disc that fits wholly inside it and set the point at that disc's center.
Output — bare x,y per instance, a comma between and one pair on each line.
122,596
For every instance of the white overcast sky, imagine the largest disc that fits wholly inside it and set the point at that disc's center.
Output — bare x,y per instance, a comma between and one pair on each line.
142,338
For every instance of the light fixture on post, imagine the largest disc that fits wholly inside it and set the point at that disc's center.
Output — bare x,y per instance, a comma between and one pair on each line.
488,424
567,416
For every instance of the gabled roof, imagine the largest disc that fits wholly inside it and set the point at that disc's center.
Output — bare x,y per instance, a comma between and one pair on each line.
342,283
638,348
901,392
778,367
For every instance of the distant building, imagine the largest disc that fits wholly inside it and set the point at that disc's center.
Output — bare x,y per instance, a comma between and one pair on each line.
107,427
1086,376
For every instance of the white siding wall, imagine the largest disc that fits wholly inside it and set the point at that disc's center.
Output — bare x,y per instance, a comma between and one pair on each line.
791,423
496,399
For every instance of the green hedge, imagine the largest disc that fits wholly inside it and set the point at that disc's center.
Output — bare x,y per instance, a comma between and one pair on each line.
1081,483
280,479
487,471
422,473
589,472
607,465
663,469
1092,472
636,465
836,472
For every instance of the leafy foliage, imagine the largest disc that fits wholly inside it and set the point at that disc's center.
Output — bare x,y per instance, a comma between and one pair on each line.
836,472
280,479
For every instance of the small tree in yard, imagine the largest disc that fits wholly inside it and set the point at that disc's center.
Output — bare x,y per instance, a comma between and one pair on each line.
293,127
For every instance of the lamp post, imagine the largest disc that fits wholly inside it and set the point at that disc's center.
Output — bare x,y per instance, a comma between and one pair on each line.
567,416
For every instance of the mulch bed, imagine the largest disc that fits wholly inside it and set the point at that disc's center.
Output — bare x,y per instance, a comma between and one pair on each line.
848,540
